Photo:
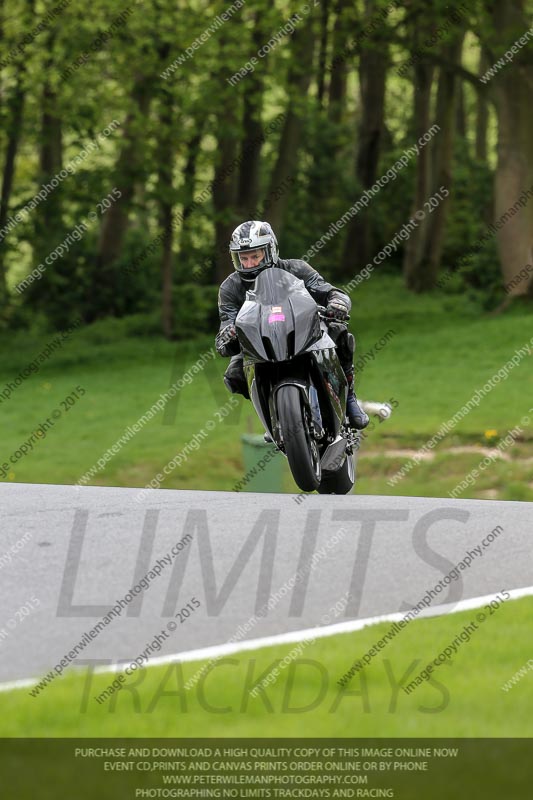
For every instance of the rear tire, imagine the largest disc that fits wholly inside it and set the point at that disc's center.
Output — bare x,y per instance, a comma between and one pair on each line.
341,481
300,446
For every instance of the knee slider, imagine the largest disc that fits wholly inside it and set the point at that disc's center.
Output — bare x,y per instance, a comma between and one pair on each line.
229,385
350,342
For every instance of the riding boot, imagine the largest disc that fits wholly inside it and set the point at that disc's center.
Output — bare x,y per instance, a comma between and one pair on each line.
357,418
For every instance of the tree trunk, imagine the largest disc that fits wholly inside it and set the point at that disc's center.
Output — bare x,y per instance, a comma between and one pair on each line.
51,155
225,194
15,108
482,113
165,170
339,68
252,142
414,268
128,171
324,170
225,180
14,113
322,53
189,182
373,65
513,95
442,159
302,47
461,123
249,189
48,215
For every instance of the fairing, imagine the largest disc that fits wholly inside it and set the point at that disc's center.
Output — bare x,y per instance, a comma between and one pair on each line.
279,318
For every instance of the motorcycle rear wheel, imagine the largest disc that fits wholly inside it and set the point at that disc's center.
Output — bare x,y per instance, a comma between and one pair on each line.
300,446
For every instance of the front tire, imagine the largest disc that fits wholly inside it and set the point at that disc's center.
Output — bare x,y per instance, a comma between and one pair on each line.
300,446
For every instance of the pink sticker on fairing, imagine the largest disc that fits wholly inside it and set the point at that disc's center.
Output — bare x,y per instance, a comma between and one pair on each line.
276,318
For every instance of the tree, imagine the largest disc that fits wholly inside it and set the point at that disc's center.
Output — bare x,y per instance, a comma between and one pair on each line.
416,275
441,149
373,66
128,170
165,171
298,82
482,112
48,215
14,114
339,60
248,190
512,89
225,180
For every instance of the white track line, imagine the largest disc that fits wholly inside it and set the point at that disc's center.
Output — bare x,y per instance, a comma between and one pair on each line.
220,650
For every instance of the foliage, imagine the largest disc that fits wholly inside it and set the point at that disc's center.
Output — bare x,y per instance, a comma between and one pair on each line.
184,132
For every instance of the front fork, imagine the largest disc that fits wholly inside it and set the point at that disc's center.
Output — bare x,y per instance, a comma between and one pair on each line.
311,406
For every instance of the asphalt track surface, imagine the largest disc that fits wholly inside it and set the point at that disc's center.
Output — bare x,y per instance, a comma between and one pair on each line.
83,548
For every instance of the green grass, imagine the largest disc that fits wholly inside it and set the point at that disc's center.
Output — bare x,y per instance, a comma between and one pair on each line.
464,698
441,352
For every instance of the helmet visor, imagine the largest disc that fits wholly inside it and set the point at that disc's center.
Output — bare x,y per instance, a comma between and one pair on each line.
250,261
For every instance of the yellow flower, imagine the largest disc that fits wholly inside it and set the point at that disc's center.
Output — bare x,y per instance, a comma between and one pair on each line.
491,434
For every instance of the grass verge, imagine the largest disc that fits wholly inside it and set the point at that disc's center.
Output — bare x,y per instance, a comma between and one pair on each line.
463,698
441,351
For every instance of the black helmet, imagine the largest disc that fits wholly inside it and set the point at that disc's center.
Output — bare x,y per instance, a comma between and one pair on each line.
252,236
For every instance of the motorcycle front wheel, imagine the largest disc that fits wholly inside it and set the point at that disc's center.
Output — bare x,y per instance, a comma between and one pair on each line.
300,446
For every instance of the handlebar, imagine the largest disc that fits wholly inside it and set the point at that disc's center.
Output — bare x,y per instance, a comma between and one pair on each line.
323,315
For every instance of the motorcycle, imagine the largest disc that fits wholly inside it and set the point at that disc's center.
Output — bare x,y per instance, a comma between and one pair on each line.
295,381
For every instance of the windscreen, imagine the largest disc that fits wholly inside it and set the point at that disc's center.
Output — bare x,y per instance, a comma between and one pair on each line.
279,318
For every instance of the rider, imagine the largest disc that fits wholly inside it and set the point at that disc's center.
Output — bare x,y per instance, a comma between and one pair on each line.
253,248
